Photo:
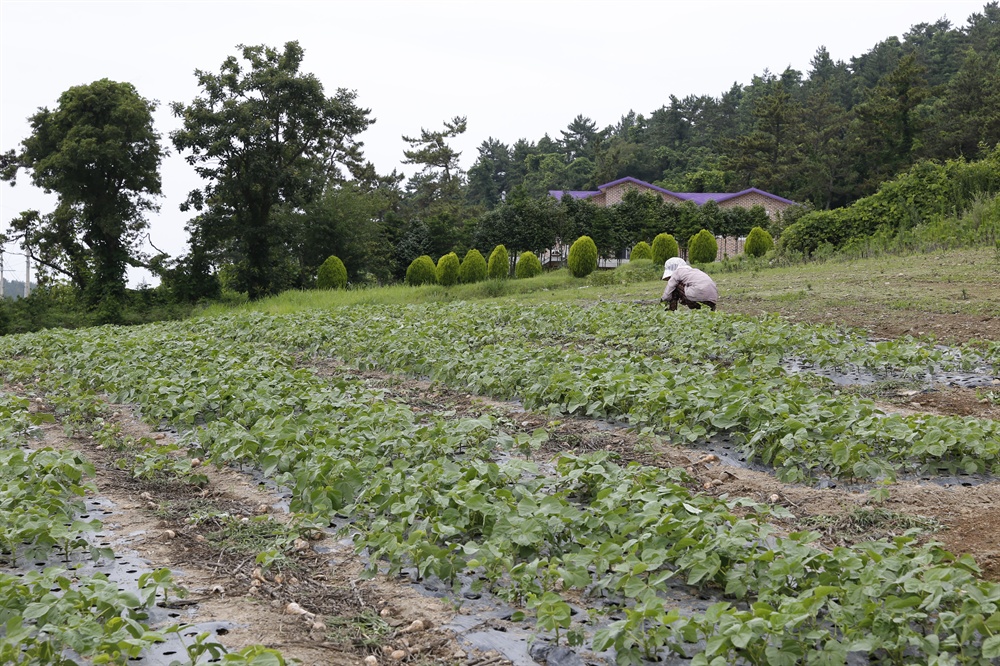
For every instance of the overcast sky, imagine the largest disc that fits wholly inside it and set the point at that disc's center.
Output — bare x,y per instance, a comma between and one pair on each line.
515,69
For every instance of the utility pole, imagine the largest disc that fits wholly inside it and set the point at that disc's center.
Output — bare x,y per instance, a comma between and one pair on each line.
1,273
27,273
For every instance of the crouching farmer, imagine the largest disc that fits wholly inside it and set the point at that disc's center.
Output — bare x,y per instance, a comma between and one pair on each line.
688,286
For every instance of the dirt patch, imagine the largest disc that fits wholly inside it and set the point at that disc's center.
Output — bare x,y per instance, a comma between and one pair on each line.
951,401
875,318
963,518
940,401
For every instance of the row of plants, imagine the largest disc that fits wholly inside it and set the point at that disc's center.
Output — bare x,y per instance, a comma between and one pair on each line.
689,374
426,490
450,271
49,615
61,613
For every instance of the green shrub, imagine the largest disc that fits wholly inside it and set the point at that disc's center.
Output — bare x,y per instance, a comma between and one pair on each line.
641,251
447,270
583,257
664,247
499,264
758,243
528,266
421,271
332,274
702,248
473,267
928,191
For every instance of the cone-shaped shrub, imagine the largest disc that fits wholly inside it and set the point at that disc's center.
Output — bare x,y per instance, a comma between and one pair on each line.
702,248
473,267
664,247
641,251
583,257
759,243
447,270
332,274
499,265
421,271
528,266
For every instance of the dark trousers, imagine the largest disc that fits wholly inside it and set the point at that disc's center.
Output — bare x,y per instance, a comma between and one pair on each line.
678,297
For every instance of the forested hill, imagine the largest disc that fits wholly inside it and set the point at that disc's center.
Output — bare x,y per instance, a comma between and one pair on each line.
828,136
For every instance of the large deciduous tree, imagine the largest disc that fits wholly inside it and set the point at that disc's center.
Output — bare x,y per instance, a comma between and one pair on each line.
263,134
98,152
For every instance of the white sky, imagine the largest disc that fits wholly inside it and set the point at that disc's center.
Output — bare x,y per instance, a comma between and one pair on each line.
515,68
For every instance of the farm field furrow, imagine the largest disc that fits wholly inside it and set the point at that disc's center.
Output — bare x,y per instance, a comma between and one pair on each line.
56,607
689,374
446,495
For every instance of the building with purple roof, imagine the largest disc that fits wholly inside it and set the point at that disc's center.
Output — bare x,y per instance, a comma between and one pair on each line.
613,193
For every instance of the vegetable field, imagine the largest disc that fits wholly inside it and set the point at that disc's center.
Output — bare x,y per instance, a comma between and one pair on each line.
470,499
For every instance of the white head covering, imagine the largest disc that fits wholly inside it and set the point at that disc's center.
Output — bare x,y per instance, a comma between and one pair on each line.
671,265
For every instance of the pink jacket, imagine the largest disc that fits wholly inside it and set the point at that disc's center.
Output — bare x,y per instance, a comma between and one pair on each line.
698,286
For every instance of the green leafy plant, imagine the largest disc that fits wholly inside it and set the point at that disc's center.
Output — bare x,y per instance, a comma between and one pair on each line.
332,274
664,247
499,264
702,247
642,250
432,492
582,257
528,266
473,268
448,270
421,271
758,243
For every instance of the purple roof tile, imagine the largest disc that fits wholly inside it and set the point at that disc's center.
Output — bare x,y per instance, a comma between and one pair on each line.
700,197
630,179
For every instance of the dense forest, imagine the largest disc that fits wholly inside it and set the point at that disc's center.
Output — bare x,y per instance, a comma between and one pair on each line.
286,184
827,136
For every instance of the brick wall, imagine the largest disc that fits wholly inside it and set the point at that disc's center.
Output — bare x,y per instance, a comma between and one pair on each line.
772,206
729,246
614,194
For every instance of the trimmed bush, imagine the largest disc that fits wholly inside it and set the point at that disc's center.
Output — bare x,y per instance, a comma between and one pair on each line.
473,267
421,271
499,264
447,270
664,247
641,251
528,266
583,257
702,248
332,274
759,243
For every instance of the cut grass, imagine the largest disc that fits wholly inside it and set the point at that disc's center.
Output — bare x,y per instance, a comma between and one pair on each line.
868,524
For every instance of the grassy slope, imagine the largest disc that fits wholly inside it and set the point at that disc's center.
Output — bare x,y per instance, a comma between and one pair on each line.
951,295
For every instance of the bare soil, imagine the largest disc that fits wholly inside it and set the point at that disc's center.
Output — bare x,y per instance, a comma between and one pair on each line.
876,319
